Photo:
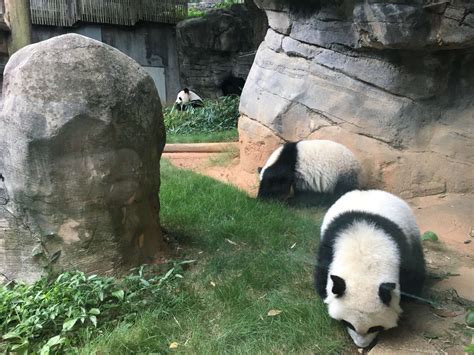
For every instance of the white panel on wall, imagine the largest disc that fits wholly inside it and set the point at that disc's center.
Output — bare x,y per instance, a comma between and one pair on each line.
158,75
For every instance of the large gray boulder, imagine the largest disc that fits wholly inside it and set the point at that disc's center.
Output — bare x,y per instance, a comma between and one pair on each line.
82,136
391,80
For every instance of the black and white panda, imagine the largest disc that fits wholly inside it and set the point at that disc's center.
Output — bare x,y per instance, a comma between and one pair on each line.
369,256
187,98
312,169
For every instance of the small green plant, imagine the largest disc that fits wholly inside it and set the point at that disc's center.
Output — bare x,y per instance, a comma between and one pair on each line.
429,235
470,318
50,316
218,115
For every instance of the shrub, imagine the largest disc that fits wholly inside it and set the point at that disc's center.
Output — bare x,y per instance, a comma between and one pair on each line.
51,315
215,116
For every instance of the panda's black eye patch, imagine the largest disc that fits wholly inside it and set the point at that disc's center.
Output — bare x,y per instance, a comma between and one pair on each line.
376,329
347,324
180,99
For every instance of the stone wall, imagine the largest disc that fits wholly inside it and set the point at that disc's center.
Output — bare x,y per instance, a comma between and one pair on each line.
391,80
219,46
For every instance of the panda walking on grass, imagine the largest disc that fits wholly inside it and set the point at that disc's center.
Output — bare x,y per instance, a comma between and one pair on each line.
369,257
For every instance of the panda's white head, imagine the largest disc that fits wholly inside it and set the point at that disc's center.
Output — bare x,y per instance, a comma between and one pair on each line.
364,312
183,97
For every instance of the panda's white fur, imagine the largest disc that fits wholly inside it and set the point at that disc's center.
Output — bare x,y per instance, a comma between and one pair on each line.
366,255
271,160
319,165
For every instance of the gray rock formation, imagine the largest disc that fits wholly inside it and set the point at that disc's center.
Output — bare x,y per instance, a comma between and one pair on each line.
218,46
391,80
82,135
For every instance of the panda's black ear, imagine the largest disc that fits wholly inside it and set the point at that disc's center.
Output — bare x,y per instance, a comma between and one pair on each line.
385,292
338,285
186,90
259,169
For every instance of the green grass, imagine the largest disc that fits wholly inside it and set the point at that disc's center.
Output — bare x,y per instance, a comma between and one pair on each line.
225,136
251,257
216,121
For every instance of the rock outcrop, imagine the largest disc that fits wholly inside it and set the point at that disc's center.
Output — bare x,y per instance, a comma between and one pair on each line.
391,80
217,50
82,136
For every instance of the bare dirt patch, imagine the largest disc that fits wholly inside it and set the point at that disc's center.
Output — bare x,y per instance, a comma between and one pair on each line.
436,326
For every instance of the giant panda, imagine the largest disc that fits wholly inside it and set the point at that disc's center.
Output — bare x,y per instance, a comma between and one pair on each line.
187,98
312,169
369,256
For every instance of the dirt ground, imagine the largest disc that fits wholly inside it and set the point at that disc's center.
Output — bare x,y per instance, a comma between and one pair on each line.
436,326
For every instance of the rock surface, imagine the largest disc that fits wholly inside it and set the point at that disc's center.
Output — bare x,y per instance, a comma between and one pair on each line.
80,157
390,80
218,46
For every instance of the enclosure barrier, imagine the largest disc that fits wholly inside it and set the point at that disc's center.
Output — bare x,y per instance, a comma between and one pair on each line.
66,13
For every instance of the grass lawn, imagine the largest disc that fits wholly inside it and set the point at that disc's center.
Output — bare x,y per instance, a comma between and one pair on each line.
250,258
210,137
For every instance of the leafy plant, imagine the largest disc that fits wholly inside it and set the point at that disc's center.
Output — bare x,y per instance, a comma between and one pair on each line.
50,315
429,235
215,116
470,318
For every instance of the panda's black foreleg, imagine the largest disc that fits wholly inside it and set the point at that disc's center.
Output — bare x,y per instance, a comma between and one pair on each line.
413,274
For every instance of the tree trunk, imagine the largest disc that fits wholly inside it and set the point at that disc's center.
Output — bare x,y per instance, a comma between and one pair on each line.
18,17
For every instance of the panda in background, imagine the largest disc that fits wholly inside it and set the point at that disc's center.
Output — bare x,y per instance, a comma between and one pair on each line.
187,98
314,170
369,256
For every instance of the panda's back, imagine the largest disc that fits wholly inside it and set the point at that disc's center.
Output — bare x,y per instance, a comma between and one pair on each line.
321,164
375,202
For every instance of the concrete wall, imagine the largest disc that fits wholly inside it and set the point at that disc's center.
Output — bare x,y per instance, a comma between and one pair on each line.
153,46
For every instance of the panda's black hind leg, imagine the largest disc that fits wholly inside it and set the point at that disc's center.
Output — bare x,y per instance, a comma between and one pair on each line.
346,182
